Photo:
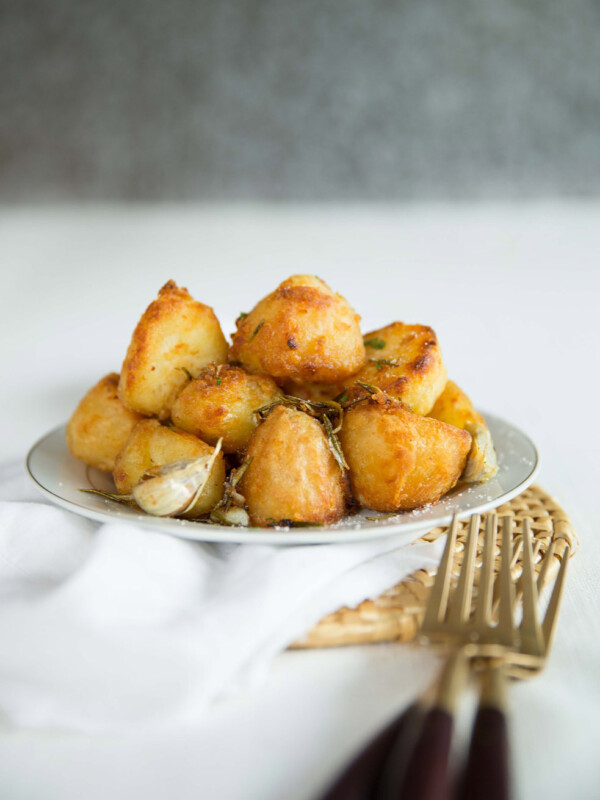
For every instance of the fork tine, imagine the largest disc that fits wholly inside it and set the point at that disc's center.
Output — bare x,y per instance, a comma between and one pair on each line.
459,607
519,584
483,609
516,544
530,630
549,624
545,566
438,599
505,627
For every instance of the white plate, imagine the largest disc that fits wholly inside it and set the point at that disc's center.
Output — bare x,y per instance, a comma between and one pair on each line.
59,476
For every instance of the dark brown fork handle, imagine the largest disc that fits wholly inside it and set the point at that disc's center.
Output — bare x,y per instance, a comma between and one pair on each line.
487,774
359,779
426,774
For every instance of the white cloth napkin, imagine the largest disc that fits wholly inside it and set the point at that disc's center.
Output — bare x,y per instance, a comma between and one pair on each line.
104,627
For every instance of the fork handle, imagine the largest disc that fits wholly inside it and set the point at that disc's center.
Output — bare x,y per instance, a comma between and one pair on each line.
487,772
426,776
359,779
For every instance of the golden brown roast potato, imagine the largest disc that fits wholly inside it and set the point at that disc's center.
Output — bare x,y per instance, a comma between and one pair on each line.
302,331
292,476
221,402
175,338
100,425
400,460
454,407
151,444
405,361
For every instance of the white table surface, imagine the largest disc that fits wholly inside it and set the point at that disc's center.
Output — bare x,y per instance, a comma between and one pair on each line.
513,293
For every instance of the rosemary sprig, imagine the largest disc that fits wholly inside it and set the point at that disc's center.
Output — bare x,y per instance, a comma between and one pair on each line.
316,408
334,444
231,496
124,499
361,399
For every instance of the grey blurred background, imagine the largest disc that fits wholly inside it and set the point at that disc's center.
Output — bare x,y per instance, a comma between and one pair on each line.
300,101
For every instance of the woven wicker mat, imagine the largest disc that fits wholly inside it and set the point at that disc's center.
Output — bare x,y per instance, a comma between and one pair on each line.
396,615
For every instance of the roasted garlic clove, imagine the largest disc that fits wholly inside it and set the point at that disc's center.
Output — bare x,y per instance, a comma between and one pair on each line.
177,489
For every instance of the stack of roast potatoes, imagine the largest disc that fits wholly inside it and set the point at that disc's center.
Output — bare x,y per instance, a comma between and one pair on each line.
301,420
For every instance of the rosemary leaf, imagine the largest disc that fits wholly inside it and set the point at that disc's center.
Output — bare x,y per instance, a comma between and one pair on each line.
355,401
256,330
124,499
376,343
314,408
334,444
381,362
368,387
303,524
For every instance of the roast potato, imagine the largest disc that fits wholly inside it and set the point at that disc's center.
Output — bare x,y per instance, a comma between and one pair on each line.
454,407
100,425
292,474
405,361
221,402
175,338
399,460
302,332
151,444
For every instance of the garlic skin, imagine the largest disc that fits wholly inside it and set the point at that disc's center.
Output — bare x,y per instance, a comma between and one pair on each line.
182,488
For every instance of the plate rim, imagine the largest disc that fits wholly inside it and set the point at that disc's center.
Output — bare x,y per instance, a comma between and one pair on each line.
280,536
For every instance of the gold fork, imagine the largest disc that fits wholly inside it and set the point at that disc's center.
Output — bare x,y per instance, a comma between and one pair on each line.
486,772
499,634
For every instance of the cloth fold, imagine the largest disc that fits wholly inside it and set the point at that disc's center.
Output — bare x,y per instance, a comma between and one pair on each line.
105,627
